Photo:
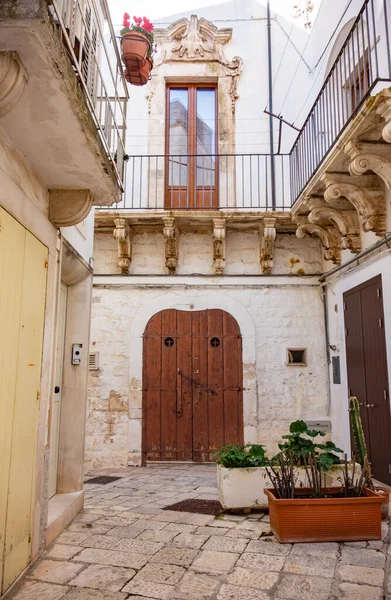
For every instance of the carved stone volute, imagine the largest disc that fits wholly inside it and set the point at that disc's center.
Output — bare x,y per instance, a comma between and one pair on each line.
13,80
218,245
268,234
124,236
171,243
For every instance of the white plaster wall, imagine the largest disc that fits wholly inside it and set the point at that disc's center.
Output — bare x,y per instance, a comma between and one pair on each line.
272,317
81,236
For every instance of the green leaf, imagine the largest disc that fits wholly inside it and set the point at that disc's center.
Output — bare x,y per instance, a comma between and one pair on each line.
298,427
314,433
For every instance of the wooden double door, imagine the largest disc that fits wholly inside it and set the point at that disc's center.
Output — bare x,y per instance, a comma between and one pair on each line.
192,385
367,370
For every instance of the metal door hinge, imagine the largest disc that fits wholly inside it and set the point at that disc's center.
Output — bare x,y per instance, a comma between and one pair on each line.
30,538
389,469
378,293
344,306
346,332
385,394
38,395
380,323
46,264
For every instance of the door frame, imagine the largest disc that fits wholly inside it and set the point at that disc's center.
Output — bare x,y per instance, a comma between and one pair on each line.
143,398
191,184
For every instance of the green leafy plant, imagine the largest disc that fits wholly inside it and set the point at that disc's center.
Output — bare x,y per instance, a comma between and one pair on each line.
300,444
241,457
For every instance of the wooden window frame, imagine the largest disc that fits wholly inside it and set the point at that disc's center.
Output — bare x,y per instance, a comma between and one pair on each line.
190,189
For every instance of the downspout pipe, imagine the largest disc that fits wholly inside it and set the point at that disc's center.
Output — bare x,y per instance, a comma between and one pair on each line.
270,81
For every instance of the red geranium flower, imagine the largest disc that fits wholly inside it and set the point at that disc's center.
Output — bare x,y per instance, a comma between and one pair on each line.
126,21
137,20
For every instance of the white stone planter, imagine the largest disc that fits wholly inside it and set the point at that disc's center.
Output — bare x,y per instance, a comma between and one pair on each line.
244,488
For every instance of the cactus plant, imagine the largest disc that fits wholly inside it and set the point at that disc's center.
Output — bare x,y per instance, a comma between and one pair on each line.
358,432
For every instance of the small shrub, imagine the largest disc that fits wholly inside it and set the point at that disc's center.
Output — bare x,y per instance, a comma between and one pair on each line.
241,457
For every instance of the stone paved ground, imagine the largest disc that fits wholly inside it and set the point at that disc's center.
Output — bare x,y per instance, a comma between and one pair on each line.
125,546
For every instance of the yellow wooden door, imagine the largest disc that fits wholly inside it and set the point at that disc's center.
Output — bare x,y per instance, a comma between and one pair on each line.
22,309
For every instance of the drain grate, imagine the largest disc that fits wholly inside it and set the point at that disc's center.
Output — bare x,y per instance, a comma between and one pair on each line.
103,479
195,505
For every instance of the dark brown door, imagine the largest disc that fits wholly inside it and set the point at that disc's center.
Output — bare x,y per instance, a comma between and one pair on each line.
191,147
193,378
367,370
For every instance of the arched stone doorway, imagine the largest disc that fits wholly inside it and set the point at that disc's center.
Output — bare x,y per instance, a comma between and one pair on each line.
192,385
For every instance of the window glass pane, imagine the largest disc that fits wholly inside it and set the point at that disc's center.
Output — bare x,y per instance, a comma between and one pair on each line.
178,136
206,136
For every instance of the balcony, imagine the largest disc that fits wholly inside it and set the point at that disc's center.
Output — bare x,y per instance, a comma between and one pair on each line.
207,182
70,121
265,183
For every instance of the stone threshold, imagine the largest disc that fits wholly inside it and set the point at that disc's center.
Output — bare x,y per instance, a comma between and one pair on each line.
62,509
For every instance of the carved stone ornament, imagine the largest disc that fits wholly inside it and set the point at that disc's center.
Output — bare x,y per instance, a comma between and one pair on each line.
329,241
367,157
384,110
171,242
369,205
268,235
199,40
219,245
13,80
69,207
124,236
345,222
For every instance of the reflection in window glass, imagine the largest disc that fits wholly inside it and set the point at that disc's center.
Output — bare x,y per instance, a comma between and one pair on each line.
178,136
206,136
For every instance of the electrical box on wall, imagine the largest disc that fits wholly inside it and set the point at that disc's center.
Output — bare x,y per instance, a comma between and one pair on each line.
324,426
76,353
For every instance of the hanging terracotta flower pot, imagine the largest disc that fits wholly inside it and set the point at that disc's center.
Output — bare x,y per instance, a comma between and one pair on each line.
135,48
139,76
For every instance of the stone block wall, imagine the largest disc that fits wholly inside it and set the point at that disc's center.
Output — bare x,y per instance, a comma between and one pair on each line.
273,314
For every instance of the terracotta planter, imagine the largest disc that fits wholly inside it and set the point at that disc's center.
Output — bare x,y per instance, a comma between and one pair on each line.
139,76
385,507
332,519
135,47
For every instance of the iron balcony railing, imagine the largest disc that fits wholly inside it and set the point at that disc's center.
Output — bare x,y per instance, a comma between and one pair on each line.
363,61
81,26
206,181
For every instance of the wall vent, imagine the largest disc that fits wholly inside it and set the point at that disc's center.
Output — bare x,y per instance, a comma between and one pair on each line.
93,361
296,357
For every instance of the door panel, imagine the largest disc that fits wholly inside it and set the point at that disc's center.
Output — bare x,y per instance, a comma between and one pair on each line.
192,401
22,396
367,370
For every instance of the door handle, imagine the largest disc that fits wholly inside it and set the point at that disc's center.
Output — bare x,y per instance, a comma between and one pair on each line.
370,406
57,389
179,394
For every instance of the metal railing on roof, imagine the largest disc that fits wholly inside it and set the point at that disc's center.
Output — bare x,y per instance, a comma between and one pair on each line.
81,26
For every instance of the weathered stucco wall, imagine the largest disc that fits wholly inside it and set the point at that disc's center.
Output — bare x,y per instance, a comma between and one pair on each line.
274,313
272,319
292,256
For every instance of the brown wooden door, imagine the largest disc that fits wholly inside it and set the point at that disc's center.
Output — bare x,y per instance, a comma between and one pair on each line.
367,370
193,379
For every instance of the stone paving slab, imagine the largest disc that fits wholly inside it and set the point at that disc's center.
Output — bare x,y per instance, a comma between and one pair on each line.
125,547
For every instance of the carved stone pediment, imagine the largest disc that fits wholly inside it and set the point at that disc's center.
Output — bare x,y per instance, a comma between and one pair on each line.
198,40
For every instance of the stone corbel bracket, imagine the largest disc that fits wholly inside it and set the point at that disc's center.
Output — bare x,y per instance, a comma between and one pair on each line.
384,110
330,243
171,244
346,223
13,80
367,157
268,234
219,232
124,236
369,206
69,207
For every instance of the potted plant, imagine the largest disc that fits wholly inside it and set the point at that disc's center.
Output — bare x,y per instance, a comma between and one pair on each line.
137,44
350,512
241,476
241,470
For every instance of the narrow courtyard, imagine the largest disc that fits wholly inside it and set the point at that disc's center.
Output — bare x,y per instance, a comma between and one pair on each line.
124,545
